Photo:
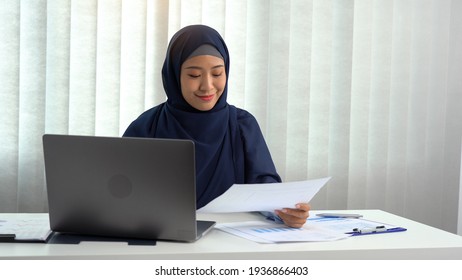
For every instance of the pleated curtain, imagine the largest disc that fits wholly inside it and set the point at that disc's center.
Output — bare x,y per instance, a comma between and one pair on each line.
368,92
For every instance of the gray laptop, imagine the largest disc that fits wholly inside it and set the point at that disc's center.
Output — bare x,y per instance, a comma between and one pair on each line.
140,188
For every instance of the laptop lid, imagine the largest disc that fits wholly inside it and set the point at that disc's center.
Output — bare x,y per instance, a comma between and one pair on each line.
122,187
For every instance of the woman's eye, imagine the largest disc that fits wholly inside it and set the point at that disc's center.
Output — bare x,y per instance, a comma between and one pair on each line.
194,76
217,74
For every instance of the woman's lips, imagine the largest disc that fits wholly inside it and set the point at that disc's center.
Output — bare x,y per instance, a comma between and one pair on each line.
206,97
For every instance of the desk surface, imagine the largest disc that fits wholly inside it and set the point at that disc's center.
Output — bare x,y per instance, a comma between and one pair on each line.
418,242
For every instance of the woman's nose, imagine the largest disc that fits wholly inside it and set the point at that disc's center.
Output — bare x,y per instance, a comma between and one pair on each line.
206,83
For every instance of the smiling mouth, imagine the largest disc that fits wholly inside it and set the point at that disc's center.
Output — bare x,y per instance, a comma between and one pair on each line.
206,97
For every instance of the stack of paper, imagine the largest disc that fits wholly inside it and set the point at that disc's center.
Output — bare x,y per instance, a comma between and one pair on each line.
27,229
269,232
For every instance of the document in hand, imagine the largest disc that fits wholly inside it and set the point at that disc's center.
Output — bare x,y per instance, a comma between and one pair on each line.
264,197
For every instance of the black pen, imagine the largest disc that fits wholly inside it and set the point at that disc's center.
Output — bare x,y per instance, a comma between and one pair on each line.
369,230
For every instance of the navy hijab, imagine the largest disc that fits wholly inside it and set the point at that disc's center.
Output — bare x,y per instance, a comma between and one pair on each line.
214,132
181,46
222,157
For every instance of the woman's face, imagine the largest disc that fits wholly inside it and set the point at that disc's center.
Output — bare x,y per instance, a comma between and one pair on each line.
203,79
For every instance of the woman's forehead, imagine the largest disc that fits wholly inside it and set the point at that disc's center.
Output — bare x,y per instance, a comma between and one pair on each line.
203,61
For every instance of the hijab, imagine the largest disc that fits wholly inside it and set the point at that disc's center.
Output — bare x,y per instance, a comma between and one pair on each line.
182,45
218,145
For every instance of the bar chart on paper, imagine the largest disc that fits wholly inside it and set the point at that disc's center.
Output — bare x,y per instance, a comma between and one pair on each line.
274,229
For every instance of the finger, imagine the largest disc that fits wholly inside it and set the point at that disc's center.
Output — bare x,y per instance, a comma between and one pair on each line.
297,223
291,220
303,206
298,213
295,214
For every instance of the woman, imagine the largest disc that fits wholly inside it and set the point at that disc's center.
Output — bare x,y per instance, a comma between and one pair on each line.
230,148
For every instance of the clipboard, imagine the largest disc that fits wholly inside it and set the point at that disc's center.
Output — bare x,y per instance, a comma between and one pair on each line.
12,238
354,226
25,230
376,230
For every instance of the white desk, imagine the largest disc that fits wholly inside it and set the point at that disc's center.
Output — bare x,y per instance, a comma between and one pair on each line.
418,242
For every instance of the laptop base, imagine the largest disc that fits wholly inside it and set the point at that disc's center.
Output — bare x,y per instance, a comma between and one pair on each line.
203,227
75,239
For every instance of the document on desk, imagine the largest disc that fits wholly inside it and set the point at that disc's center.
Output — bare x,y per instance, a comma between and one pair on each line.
35,229
264,197
269,232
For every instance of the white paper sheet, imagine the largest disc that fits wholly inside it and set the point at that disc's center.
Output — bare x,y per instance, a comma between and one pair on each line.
32,229
264,197
268,232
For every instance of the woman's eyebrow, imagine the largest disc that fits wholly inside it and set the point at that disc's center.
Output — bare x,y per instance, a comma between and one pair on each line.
200,68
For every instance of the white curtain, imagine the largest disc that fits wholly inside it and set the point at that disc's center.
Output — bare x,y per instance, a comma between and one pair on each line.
459,225
368,92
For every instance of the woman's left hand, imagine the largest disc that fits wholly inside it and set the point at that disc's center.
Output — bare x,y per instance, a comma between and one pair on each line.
295,217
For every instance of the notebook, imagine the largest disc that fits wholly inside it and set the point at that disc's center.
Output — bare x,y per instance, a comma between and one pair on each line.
140,188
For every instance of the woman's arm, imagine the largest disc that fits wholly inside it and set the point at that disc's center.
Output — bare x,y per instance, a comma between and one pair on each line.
259,168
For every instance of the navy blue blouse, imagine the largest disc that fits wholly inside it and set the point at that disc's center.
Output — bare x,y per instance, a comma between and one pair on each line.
230,148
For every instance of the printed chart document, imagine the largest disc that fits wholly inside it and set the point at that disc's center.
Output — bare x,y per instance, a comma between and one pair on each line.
315,230
264,197
269,232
